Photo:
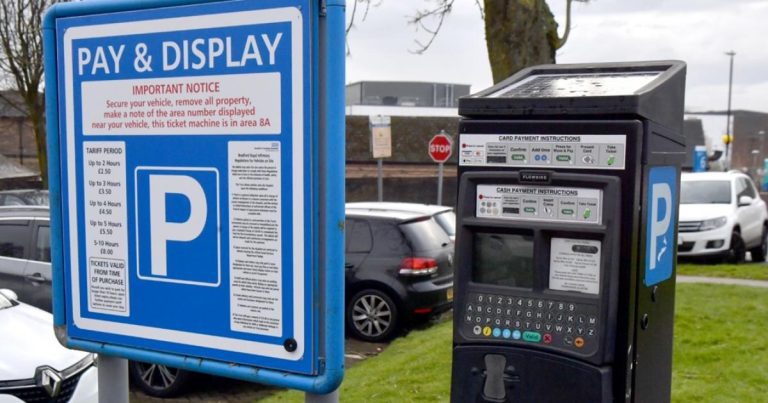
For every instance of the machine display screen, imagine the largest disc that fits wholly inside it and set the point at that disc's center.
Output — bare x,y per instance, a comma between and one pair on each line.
503,259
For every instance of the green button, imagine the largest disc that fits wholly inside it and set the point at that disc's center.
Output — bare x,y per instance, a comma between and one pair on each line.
563,158
530,209
532,337
518,157
567,211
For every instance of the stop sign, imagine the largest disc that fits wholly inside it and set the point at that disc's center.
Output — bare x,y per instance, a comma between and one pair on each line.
440,148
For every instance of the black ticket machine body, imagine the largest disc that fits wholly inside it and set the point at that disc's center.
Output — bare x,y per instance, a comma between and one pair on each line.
567,234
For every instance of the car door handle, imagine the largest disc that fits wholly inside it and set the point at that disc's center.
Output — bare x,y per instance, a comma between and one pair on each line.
35,278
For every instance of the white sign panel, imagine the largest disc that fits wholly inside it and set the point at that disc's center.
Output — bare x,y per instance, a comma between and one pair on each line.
574,265
540,203
576,151
381,136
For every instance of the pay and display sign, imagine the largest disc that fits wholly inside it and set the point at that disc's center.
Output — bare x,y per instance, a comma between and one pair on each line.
186,181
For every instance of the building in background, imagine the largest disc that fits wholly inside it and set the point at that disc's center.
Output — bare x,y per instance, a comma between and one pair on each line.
750,146
693,131
17,140
404,98
418,111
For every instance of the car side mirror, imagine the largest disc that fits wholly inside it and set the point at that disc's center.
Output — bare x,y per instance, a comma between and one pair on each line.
9,294
745,201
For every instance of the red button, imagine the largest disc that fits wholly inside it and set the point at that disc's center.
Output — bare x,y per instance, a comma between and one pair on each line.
547,338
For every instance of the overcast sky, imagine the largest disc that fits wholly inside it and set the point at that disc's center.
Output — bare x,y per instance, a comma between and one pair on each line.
698,32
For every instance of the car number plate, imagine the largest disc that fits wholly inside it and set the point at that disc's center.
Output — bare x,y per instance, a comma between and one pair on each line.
449,294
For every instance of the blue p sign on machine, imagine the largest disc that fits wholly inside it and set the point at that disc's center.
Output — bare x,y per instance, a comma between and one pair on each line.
196,208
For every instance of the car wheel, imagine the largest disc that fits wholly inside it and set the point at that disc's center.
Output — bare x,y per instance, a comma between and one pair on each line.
372,316
738,250
759,252
158,380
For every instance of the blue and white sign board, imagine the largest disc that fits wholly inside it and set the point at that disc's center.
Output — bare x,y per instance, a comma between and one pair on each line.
188,182
700,159
661,223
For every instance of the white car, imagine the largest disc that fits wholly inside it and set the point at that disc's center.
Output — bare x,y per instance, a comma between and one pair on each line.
34,367
721,216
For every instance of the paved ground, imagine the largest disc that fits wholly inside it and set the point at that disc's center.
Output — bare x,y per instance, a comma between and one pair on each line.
210,389
721,280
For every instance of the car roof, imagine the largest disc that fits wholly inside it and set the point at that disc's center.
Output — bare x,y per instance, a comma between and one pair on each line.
703,176
430,209
24,212
389,214
23,191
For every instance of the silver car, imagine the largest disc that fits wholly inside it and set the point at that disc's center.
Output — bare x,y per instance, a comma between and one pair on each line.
25,254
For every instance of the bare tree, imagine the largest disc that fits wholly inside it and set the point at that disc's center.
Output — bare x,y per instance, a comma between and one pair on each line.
21,64
519,33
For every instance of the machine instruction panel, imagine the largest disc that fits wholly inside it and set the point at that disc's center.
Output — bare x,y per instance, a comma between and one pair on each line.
540,203
578,151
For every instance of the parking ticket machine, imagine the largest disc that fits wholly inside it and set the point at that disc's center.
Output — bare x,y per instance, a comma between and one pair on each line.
566,235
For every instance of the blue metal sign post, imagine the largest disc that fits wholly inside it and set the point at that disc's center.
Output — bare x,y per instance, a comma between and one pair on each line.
196,207
700,159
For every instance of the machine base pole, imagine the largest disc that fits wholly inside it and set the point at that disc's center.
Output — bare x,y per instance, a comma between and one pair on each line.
113,379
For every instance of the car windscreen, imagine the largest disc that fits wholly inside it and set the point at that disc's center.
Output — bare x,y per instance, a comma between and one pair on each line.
705,192
447,220
425,234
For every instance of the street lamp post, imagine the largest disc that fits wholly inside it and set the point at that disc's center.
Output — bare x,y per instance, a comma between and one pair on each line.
760,169
755,173
728,118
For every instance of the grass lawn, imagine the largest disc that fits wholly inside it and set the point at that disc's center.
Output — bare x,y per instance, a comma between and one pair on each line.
752,271
721,355
721,348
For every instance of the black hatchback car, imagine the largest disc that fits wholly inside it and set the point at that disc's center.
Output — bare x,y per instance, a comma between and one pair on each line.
399,270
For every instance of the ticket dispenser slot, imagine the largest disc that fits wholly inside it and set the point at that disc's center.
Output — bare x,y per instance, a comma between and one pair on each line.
564,272
539,265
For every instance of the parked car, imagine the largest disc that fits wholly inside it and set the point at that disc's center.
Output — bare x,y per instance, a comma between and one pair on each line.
721,216
24,197
398,271
34,367
25,267
25,253
443,215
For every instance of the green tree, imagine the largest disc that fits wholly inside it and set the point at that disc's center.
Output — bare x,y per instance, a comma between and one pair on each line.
21,65
519,33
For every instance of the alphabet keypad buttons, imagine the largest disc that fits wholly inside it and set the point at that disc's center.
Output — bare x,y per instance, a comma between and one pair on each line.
543,321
